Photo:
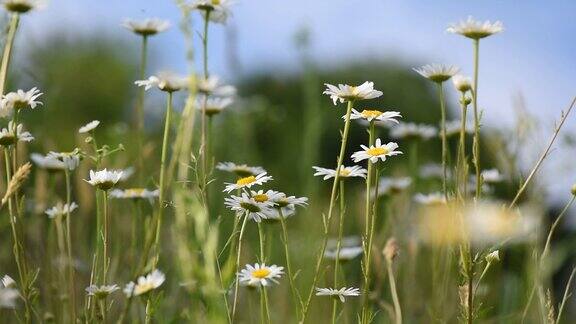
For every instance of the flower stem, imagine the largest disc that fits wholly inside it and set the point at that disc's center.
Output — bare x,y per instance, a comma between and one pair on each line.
444,140
162,189
295,295
105,235
338,247
71,285
476,145
140,107
8,51
238,254
203,135
367,231
394,293
263,294
462,163
330,210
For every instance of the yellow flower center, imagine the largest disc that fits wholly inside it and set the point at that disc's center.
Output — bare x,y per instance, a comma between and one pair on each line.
246,180
134,192
260,198
143,288
371,113
261,273
344,173
376,151
215,2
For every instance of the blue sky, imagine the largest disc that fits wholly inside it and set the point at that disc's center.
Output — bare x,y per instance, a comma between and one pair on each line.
534,56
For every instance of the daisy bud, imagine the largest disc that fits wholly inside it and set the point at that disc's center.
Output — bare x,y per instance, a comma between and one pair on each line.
462,83
573,190
493,257
465,101
391,249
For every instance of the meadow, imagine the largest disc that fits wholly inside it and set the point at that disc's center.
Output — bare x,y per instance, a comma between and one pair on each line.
326,196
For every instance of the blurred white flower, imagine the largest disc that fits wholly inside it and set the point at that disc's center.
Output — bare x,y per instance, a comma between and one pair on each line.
61,210
241,170
245,205
145,284
453,127
104,179
146,27
344,92
462,83
280,203
49,163
71,160
493,256
89,127
214,106
213,86
431,170
7,136
370,115
437,72
259,275
165,81
247,182
338,293
376,152
390,186
23,6
434,198
415,131
134,193
492,176
475,29
19,99
345,172
8,282
8,294
101,292
219,10
347,253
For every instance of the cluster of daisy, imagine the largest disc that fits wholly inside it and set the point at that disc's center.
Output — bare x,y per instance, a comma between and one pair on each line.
141,287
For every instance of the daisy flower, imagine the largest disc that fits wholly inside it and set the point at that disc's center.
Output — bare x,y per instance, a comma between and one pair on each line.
71,160
411,130
453,127
437,72
134,193
435,198
242,170
8,294
249,206
7,136
390,186
61,210
126,173
218,11
370,115
280,202
476,29
492,176
146,27
49,163
376,152
104,179
165,81
214,106
23,6
101,292
145,284
345,172
20,100
89,127
214,87
259,275
344,92
338,293
462,83
247,182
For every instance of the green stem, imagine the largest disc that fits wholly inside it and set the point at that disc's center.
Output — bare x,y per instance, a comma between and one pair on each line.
238,264
444,140
162,189
8,51
476,145
293,289
105,235
140,108
338,247
394,293
203,136
71,285
263,294
367,231
330,210
462,163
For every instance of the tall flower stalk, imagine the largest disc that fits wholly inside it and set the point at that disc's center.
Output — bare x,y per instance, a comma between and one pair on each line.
338,248
71,285
6,55
293,290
